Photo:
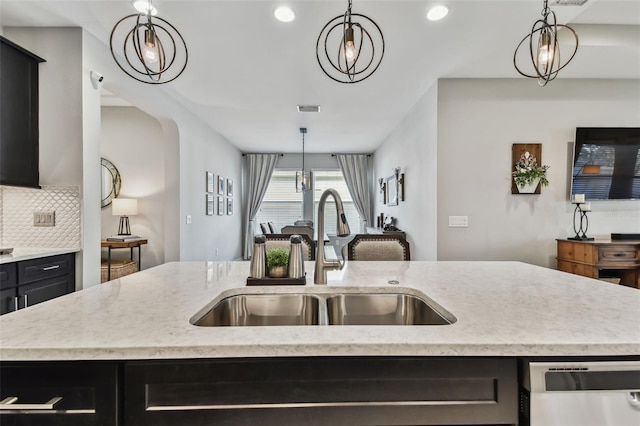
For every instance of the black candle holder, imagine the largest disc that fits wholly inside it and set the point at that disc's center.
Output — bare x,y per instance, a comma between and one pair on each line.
581,230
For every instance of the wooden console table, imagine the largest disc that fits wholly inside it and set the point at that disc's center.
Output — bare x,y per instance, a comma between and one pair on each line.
601,259
120,245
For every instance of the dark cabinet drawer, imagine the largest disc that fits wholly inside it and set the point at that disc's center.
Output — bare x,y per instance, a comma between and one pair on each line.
8,276
44,268
88,392
322,391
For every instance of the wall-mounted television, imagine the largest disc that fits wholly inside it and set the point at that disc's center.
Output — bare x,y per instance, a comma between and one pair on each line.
606,163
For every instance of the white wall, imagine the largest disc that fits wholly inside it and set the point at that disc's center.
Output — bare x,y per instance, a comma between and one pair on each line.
478,121
133,141
412,146
216,237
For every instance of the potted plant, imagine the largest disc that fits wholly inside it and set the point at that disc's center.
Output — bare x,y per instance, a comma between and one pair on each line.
529,174
277,261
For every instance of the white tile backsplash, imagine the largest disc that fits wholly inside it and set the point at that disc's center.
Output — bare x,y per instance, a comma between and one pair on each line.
16,219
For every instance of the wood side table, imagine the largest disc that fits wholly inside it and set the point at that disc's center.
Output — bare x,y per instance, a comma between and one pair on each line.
110,245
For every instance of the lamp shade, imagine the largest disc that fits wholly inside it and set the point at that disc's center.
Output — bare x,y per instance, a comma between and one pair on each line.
124,207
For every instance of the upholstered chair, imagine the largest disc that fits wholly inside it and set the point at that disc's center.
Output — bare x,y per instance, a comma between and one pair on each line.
378,247
294,229
272,228
283,241
265,229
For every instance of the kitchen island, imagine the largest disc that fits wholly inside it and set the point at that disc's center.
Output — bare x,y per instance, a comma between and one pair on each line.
140,326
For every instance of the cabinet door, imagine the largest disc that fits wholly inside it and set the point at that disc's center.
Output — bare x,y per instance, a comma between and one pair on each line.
8,300
88,391
41,291
18,123
322,391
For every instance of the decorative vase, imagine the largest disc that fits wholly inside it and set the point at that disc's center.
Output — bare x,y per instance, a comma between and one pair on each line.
277,271
529,189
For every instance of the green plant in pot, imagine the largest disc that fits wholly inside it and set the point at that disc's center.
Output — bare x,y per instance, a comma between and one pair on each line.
277,261
528,174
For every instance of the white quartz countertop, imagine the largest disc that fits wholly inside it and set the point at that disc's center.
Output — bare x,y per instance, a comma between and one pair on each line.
26,253
502,309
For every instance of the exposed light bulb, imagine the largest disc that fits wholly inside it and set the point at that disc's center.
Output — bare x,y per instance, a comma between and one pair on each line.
150,50
545,49
350,51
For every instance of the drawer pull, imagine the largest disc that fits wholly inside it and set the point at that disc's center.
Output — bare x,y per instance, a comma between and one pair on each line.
8,404
50,268
619,254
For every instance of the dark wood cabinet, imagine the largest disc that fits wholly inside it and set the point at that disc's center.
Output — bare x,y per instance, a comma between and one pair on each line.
19,154
30,282
60,393
322,391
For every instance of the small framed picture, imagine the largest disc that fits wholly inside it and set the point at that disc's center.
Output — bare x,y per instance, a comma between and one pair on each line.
229,188
229,206
220,185
209,204
210,183
220,206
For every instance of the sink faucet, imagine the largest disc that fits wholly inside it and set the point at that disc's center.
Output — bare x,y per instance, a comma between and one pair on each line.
343,233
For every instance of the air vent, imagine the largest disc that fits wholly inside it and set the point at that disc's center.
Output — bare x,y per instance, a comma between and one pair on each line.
569,2
308,108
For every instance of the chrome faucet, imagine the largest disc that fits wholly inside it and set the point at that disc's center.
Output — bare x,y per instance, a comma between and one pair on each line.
343,237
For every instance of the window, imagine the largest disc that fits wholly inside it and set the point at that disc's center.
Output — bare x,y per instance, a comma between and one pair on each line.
323,180
282,205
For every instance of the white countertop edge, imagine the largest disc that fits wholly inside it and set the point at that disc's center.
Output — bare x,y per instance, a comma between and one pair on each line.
27,253
338,350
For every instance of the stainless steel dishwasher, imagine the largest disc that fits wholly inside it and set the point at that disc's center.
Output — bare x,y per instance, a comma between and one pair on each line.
599,393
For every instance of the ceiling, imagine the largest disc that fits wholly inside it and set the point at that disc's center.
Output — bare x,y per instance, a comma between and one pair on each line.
247,71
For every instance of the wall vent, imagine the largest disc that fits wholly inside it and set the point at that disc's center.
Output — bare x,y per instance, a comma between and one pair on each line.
308,108
569,2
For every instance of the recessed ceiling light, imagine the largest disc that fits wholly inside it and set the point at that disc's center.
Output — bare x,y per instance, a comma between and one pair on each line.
284,14
145,6
437,12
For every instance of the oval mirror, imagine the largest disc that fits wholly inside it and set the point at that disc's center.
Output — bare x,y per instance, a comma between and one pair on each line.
110,182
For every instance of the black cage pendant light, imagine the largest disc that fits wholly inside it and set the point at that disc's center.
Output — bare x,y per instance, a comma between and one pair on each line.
303,178
350,47
544,49
153,50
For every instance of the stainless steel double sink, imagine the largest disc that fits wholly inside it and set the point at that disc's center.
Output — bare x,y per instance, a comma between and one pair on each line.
340,306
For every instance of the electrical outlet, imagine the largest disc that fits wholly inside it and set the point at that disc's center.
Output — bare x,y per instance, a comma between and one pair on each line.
188,219
458,221
44,218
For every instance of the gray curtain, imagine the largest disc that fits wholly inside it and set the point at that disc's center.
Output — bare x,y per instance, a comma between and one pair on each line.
356,171
258,169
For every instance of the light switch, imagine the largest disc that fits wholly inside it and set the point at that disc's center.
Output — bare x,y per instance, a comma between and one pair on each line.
44,218
458,221
188,219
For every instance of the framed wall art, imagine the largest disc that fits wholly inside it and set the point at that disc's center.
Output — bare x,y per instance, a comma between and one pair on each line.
220,185
209,205
210,182
229,206
229,188
220,206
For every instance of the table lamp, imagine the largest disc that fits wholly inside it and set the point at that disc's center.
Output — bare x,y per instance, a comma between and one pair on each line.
124,207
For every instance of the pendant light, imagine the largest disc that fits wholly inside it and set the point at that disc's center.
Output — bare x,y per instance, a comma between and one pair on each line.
153,50
346,50
543,38
303,178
